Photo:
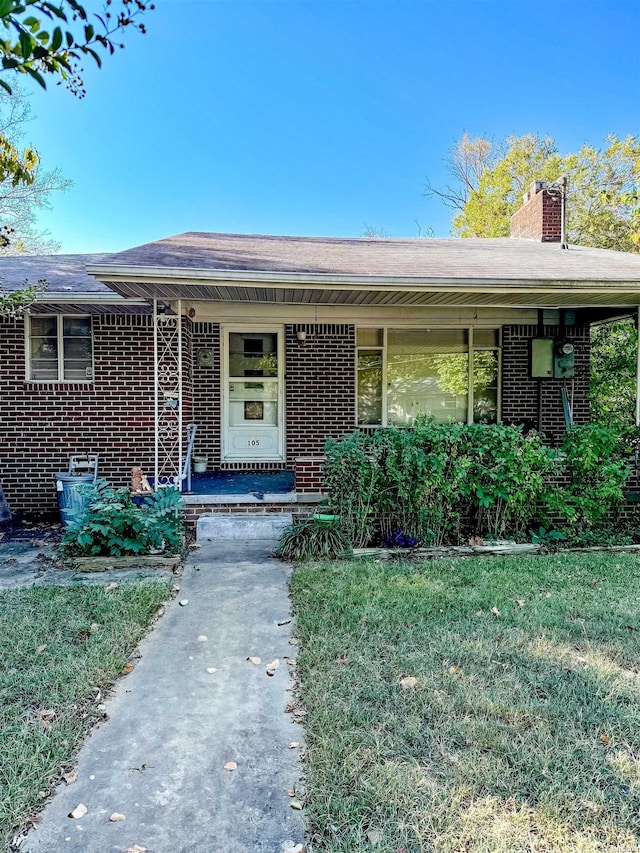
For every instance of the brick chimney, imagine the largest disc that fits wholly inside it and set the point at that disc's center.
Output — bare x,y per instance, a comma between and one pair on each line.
540,217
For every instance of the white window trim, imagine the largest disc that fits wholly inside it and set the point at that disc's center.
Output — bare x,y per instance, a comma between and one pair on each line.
383,349
60,339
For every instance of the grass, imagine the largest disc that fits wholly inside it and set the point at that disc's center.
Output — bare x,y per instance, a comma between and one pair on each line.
61,648
522,732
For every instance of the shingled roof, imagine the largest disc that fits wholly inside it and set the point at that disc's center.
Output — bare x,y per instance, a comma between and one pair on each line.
452,259
63,273
218,266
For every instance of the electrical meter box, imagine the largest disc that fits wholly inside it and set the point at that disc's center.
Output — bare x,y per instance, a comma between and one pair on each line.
542,358
564,360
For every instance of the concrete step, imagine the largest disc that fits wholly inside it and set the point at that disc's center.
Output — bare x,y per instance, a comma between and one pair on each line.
249,525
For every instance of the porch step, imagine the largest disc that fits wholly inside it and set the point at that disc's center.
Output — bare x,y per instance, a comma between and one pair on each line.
249,525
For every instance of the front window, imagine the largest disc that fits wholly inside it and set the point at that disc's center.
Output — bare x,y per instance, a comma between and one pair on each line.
59,349
403,373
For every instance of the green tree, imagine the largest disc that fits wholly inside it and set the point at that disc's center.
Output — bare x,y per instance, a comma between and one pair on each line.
44,39
613,373
14,303
50,39
21,200
490,179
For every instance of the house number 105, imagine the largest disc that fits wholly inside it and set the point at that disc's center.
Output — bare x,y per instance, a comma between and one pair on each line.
253,442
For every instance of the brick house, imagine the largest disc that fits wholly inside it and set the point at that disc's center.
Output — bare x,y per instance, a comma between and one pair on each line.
272,345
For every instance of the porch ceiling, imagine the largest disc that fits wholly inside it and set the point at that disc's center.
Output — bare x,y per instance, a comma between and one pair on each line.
512,294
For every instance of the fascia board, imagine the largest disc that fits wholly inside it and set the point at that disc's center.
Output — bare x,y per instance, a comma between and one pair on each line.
315,281
88,298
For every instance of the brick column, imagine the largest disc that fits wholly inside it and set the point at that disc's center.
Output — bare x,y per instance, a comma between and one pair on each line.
320,387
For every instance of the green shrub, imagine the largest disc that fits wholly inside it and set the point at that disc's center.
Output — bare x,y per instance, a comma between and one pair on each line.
436,482
595,466
505,474
112,525
307,540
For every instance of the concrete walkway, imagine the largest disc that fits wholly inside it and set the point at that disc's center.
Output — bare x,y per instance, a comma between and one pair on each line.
191,706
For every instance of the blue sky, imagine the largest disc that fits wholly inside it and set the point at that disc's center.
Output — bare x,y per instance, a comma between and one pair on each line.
318,116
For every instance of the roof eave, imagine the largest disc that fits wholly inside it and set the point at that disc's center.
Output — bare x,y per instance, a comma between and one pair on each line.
87,297
112,274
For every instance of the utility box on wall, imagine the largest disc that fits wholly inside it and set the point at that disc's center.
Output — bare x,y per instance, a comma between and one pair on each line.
541,358
564,360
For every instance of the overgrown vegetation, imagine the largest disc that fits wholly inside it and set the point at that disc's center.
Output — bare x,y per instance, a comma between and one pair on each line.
593,461
477,705
441,483
113,525
614,361
61,649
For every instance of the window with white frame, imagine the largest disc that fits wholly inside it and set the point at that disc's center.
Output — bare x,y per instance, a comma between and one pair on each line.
59,349
403,373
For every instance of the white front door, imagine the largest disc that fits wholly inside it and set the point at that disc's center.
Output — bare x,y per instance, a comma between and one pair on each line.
252,394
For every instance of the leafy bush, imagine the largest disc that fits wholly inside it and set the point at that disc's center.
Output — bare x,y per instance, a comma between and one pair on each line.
546,536
307,539
594,463
112,525
436,481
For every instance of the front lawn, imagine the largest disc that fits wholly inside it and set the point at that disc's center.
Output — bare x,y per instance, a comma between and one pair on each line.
61,648
521,731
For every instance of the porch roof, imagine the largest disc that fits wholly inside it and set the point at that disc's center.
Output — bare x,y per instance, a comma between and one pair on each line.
348,271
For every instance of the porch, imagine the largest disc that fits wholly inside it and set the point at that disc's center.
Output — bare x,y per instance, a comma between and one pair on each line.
252,492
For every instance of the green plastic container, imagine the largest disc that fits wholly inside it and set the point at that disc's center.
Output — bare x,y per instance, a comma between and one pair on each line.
325,518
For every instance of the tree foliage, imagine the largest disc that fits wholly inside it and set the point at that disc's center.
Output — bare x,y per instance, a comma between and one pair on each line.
45,39
613,374
50,39
20,200
490,178
14,303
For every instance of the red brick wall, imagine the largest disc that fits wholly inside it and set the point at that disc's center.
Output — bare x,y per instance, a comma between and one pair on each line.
192,512
321,380
206,393
42,424
309,474
320,392
520,391
540,218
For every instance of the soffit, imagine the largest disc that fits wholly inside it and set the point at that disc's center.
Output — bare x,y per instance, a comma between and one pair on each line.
564,295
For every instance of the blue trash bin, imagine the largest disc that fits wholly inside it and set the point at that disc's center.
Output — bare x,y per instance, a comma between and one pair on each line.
70,501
